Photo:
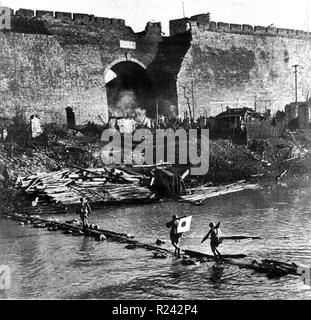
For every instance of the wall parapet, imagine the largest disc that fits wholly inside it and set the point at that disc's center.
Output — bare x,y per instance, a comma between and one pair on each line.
81,17
204,24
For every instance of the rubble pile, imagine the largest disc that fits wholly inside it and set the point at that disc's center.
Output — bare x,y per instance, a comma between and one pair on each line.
66,187
229,162
38,167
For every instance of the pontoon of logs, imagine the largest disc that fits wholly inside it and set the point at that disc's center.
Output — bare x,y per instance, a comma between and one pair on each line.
272,268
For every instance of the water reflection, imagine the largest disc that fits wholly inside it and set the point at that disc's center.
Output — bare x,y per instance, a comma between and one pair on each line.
216,271
52,265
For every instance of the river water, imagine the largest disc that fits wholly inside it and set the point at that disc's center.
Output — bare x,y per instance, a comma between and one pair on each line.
48,265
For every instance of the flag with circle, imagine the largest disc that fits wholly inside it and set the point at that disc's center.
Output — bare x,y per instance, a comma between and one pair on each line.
184,224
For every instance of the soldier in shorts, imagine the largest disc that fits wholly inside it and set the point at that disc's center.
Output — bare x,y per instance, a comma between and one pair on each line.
84,210
215,240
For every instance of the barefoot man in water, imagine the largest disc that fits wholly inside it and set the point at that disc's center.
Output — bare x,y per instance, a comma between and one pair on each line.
84,210
215,242
174,235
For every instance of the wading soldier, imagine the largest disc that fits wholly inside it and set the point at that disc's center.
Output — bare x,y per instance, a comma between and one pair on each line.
215,241
174,235
84,210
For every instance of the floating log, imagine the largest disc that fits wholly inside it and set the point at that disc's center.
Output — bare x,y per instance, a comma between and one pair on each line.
200,255
271,268
249,237
239,238
200,194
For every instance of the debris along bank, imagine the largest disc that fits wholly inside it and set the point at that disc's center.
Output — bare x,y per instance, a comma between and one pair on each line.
272,268
37,167
60,191
99,186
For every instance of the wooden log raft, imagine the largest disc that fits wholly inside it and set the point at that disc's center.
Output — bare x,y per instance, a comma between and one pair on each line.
201,256
271,268
96,233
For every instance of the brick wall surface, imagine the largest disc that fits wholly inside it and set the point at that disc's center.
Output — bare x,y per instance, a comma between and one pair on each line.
51,61
228,69
46,73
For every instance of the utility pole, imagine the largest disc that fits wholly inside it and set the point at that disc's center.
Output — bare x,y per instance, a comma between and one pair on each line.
193,101
295,72
157,117
183,8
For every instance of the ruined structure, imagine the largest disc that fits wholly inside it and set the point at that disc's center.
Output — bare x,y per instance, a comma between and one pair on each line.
60,65
298,115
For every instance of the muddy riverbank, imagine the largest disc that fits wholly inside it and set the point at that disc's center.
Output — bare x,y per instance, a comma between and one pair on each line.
270,162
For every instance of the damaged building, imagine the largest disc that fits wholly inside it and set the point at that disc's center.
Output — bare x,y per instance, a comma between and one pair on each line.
298,115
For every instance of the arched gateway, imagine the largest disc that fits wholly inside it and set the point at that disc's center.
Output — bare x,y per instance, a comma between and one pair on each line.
129,88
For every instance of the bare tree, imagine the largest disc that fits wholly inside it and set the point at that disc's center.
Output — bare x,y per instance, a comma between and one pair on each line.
185,87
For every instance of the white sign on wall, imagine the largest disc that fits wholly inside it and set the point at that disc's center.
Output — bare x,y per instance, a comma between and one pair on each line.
5,18
127,44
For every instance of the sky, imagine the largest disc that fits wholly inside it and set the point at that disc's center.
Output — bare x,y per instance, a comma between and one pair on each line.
291,14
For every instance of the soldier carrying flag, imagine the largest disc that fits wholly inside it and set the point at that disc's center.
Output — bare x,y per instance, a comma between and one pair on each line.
174,235
178,226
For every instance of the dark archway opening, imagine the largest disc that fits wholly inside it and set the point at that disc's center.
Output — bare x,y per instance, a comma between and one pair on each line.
131,91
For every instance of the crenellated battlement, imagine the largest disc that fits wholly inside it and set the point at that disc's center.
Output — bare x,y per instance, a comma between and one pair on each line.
84,28
204,23
63,16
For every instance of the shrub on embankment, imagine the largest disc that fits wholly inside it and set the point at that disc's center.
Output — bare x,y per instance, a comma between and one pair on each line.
54,149
229,162
261,160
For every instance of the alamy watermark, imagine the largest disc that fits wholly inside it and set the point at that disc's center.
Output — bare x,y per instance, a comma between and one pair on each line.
5,277
146,146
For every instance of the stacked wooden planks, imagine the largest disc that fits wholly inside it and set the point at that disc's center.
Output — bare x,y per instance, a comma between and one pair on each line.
97,185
